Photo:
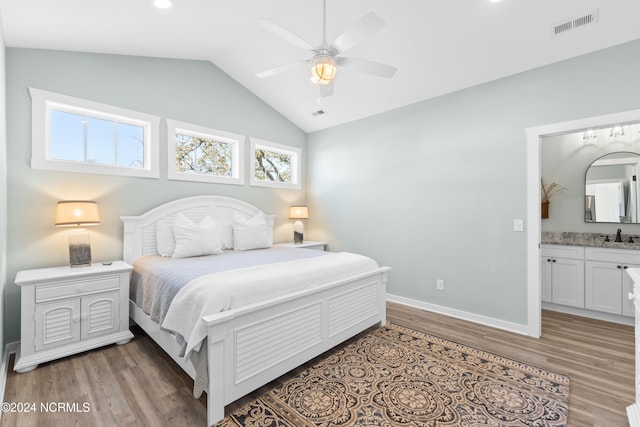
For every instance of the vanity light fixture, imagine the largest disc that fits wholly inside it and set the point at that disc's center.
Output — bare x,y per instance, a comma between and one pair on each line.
78,213
589,134
617,131
298,213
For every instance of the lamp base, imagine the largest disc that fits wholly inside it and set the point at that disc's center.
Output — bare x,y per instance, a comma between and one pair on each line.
79,248
298,231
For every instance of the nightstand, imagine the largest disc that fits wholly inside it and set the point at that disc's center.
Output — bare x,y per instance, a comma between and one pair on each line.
68,310
307,244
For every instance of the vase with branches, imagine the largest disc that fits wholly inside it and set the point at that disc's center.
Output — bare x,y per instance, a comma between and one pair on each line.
548,190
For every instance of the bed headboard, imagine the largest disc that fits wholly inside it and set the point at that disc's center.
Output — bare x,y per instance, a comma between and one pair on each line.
140,231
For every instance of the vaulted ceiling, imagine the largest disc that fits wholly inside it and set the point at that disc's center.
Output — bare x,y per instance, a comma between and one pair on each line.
437,46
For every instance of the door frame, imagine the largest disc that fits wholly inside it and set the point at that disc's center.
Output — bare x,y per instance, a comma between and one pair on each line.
535,136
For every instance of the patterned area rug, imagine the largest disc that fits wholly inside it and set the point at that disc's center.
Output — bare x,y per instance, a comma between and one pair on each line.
395,376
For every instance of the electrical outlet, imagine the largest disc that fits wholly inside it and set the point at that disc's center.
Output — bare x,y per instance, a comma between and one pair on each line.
440,284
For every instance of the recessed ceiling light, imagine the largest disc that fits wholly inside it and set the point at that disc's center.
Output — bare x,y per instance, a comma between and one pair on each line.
162,4
495,1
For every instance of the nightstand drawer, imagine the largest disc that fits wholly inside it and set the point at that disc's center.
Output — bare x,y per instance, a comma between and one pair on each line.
71,288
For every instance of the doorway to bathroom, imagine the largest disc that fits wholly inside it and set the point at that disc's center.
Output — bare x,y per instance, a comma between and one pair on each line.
535,138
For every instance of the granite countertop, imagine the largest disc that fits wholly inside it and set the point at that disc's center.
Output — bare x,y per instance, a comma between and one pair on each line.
596,240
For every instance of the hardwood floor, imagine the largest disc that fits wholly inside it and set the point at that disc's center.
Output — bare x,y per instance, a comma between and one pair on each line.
597,356
138,385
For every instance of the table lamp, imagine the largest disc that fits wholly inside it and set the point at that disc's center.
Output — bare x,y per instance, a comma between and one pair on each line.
298,213
78,213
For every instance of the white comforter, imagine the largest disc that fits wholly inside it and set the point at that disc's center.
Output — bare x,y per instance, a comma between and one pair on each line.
225,290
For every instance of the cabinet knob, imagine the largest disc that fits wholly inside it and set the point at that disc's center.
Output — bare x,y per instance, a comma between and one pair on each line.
76,318
618,266
553,260
625,267
548,259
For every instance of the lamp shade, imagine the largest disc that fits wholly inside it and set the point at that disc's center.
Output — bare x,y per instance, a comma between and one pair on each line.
77,212
298,212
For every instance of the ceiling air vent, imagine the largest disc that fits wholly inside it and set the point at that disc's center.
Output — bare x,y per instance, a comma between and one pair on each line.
317,113
568,25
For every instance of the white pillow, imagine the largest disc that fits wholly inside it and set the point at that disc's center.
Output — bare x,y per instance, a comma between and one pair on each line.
254,233
165,241
196,239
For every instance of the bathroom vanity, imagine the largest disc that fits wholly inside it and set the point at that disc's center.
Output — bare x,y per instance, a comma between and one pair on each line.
584,275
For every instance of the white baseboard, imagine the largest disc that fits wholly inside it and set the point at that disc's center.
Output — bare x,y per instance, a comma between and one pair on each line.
459,314
633,414
9,349
615,318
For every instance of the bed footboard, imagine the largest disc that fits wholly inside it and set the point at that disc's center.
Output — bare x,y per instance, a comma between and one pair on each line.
260,342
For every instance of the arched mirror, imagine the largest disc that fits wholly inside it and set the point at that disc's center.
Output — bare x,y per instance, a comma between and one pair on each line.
611,189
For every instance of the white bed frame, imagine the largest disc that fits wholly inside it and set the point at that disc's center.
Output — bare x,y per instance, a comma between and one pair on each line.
252,345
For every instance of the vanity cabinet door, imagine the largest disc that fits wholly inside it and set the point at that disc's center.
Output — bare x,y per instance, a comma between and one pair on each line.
603,286
567,282
628,307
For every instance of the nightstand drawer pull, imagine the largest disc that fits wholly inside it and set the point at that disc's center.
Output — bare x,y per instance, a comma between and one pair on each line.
74,288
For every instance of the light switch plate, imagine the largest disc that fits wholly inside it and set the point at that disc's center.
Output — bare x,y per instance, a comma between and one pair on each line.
518,225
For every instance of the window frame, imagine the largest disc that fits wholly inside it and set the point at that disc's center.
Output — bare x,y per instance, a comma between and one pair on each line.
296,164
237,141
42,102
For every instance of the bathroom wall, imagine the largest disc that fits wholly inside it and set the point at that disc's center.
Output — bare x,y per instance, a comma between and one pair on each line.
564,160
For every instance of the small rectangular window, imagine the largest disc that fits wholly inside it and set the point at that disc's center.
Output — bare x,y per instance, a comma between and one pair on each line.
275,165
197,153
77,135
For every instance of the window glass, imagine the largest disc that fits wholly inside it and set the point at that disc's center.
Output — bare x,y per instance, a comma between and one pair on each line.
130,146
101,141
203,156
272,166
196,153
67,136
275,165
77,135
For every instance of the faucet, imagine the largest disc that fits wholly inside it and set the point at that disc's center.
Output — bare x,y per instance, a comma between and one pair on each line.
618,236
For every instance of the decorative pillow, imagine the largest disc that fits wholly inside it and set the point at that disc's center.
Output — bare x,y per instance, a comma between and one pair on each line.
165,241
253,233
196,239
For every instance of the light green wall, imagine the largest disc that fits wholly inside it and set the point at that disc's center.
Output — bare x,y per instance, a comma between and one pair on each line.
564,159
432,189
189,91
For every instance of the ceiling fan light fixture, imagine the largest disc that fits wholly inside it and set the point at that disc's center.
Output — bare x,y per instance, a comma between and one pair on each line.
323,70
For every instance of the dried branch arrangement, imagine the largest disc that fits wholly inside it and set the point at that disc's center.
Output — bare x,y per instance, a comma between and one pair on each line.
549,190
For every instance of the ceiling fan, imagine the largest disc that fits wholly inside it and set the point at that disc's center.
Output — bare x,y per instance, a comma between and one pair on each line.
327,57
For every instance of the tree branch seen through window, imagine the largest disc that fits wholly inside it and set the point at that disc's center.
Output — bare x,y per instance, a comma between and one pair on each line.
272,166
203,156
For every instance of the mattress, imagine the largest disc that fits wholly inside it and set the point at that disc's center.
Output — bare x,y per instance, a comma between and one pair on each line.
156,280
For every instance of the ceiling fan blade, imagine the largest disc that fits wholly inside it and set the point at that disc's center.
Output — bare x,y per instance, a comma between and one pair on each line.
362,29
326,90
285,34
277,70
368,67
